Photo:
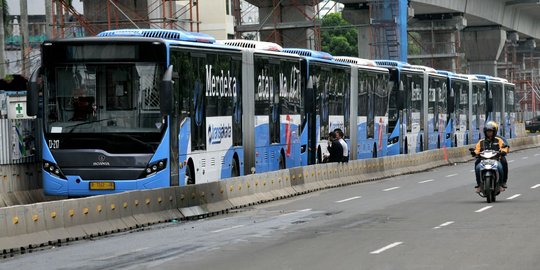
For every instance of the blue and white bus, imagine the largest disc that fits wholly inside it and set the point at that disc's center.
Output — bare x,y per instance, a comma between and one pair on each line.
437,108
138,109
478,107
327,98
406,104
280,121
500,104
370,92
459,108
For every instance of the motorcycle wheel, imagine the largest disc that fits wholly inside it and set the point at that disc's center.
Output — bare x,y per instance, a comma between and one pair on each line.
488,197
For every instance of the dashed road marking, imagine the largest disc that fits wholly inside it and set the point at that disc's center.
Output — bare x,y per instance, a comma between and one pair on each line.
510,161
536,155
452,175
378,251
392,188
349,199
524,157
444,224
483,209
535,186
513,197
426,181
229,228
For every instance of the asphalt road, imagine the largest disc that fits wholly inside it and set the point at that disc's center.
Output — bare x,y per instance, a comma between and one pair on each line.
429,220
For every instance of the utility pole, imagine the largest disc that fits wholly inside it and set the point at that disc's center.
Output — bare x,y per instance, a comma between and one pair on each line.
24,39
2,37
48,19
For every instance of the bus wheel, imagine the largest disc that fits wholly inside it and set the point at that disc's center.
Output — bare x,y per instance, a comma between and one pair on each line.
234,167
190,173
282,162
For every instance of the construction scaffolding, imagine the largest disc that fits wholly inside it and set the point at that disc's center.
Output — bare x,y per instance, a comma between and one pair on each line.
521,65
291,23
115,14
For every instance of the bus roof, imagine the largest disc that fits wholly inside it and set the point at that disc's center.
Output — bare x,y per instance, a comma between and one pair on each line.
309,53
423,68
392,63
160,33
363,63
251,44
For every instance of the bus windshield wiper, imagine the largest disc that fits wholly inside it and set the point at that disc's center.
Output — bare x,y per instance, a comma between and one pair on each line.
85,123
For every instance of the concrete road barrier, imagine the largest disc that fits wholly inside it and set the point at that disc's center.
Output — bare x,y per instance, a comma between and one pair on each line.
27,226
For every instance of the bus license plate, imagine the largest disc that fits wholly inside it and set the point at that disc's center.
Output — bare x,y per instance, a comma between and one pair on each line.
101,185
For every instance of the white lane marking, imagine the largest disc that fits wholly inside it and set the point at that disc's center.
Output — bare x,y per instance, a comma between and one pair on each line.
510,161
444,224
535,186
452,175
513,197
524,157
483,209
472,170
426,181
386,248
349,199
227,229
536,155
392,188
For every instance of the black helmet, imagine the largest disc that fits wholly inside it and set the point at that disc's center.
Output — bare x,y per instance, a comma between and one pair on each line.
491,125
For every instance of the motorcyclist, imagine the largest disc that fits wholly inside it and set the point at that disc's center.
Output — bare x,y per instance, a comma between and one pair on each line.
491,142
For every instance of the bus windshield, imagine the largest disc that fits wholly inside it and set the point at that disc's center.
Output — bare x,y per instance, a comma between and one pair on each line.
103,98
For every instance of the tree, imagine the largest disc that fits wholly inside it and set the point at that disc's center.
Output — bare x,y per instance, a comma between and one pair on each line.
338,36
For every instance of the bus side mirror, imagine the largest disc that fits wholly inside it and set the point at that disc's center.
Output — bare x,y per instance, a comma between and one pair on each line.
165,92
452,101
400,95
32,94
489,102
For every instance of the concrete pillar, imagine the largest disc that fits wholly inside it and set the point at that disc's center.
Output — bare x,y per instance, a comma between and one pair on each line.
360,17
483,46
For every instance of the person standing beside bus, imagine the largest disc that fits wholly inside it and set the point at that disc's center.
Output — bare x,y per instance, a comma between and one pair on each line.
335,150
339,136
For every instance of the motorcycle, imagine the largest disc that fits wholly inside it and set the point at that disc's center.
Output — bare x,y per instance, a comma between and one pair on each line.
489,174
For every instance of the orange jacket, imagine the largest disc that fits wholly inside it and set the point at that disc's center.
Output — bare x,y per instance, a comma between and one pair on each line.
497,144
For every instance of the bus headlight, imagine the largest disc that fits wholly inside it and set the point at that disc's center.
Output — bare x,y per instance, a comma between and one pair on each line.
53,169
154,167
393,140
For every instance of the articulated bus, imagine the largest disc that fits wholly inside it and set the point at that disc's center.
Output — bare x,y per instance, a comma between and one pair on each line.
406,124
328,99
280,122
459,107
439,108
500,104
147,108
370,92
138,109
478,107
